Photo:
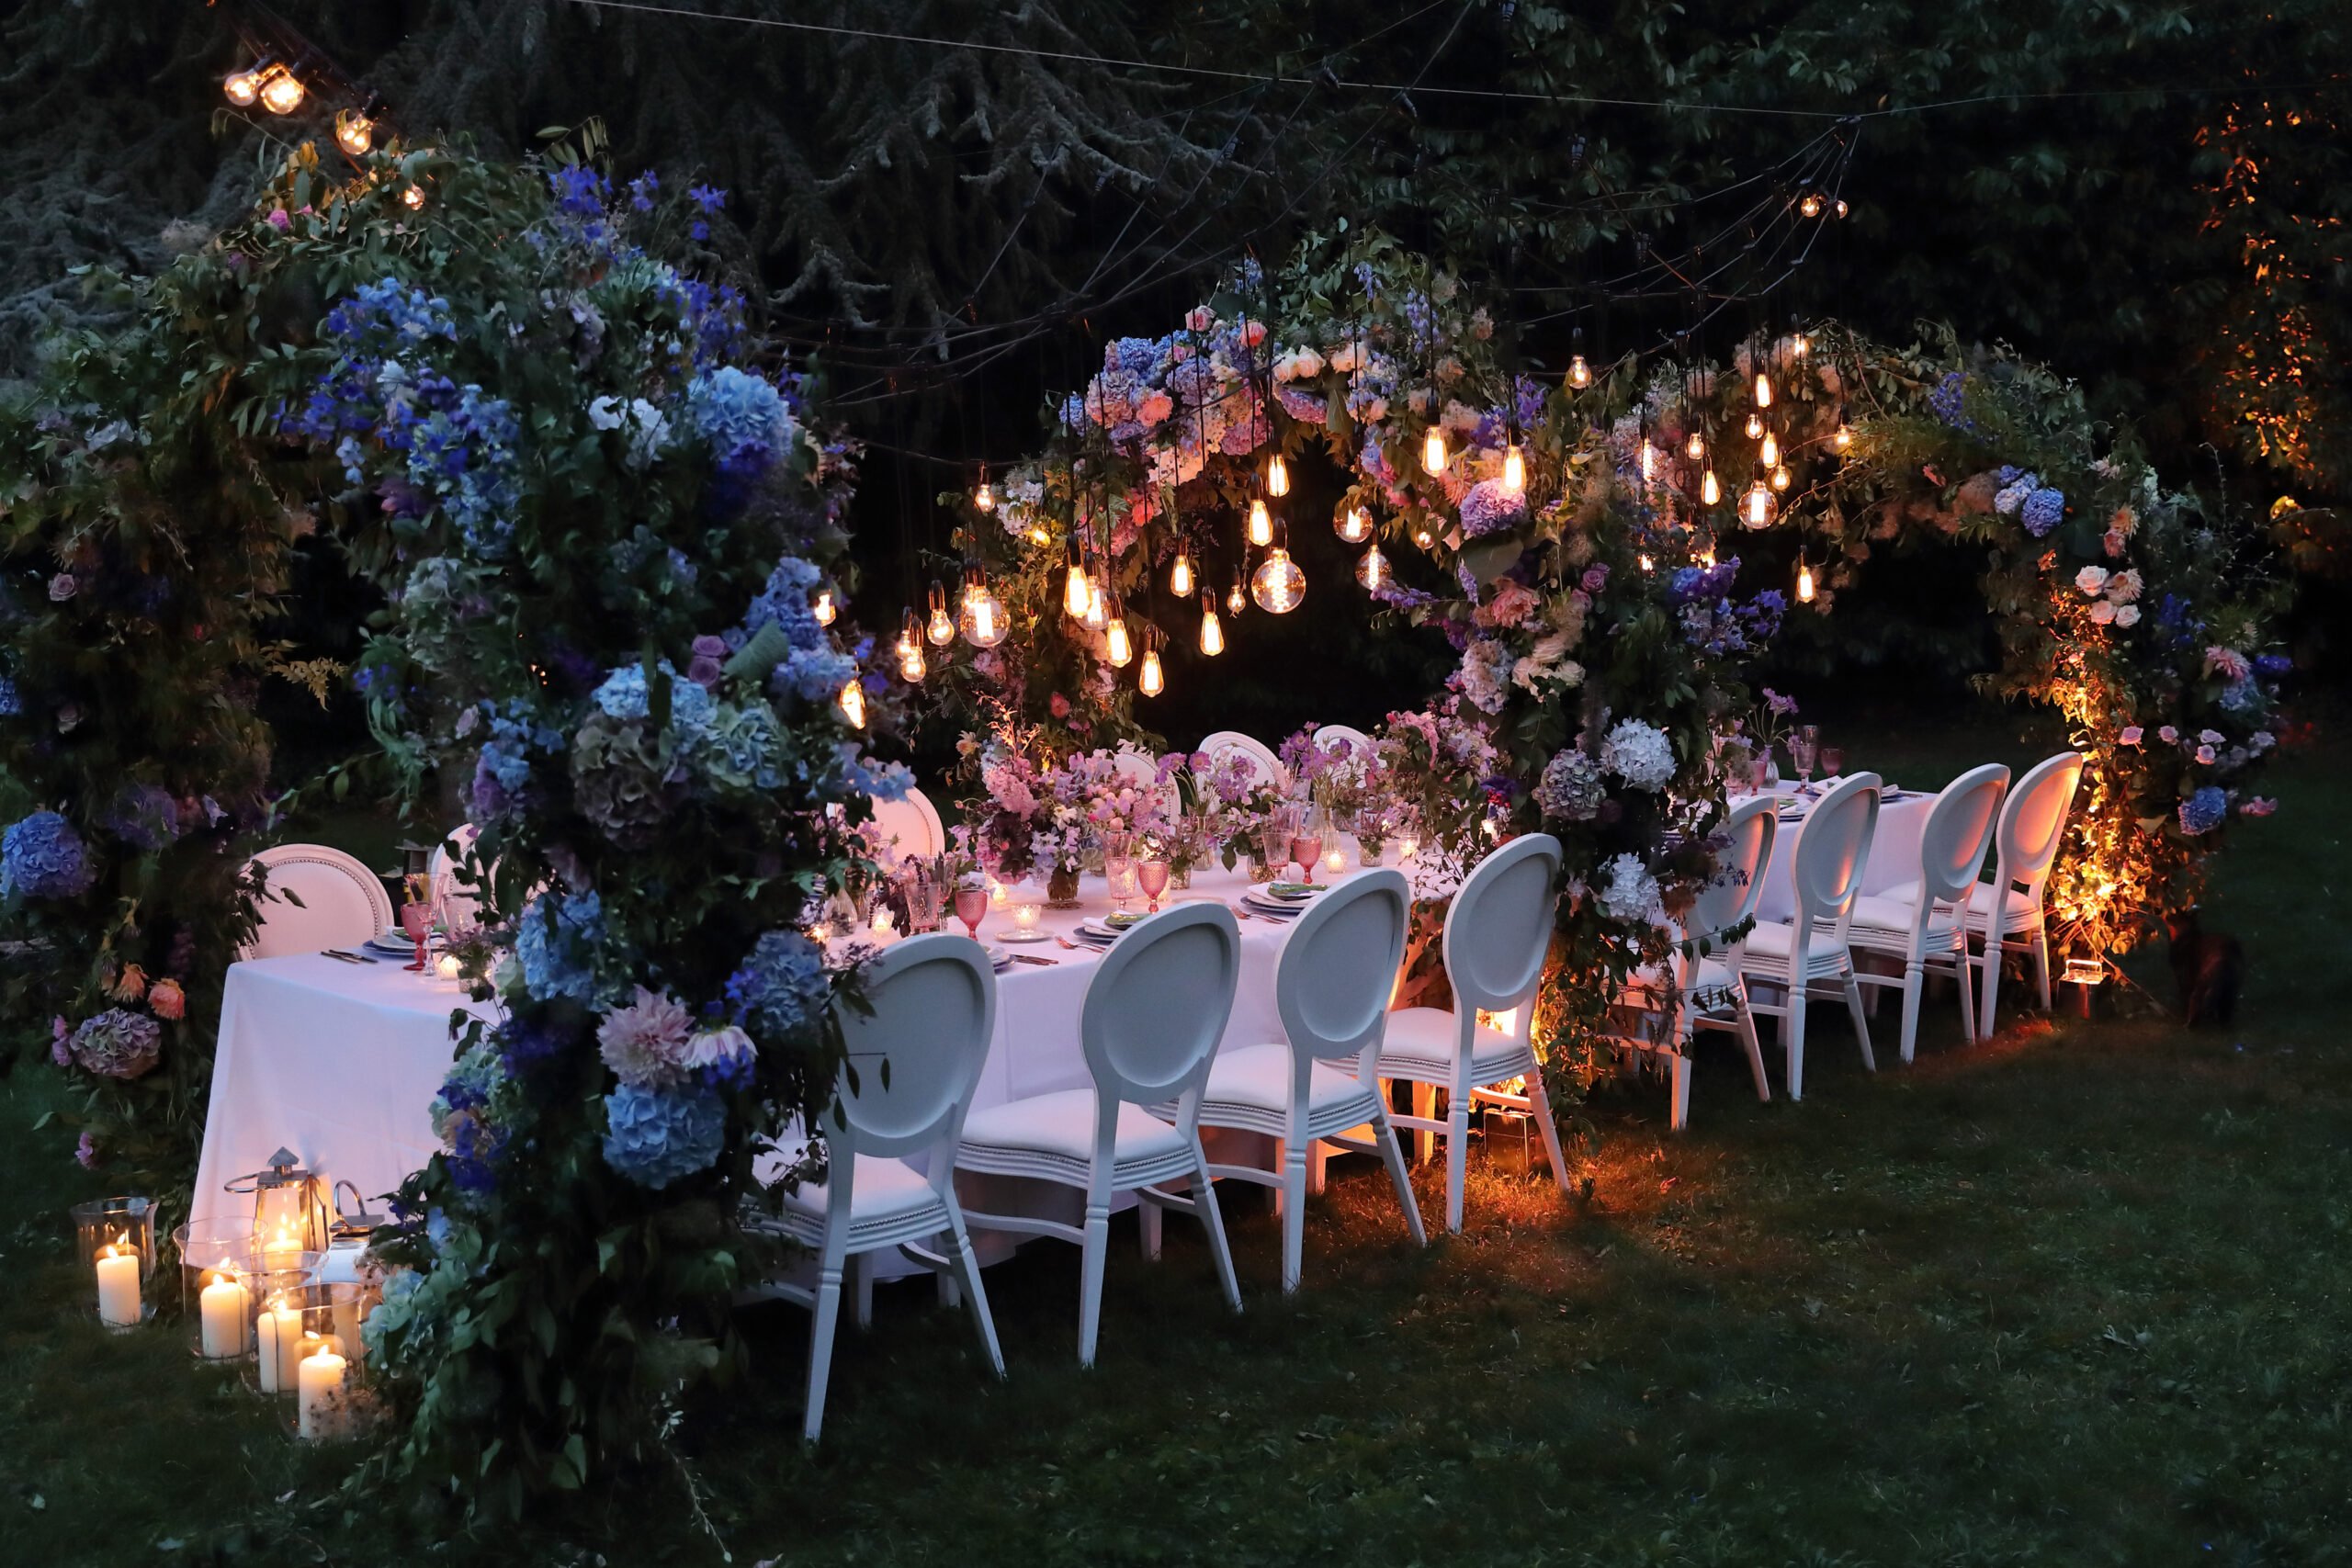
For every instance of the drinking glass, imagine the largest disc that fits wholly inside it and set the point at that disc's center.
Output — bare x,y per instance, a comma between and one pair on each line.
1805,746
415,921
1759,774
1833,762
971,904
1152,875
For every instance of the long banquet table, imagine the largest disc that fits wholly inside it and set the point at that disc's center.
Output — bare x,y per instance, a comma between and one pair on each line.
1894,848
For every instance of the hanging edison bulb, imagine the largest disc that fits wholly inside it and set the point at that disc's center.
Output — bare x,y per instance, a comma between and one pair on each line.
1211,629
1839,208
1152,680
414,199
1579,372
1117,647
1098,610
939,628
1758,505
1649,461
823,608
1237,598
1278,585
982,620
281,91
1648,565
1798,344
1710,492
243,86
1180,576
1373,571
1804,584
1842,439
354,132
984,498
1763,390
912,666
1422,538
1696,447
1356,525
853,702
1074,587
1433,451
1514,466
1769,453
1262,521
1277,477
1754,425
1781,476
1811,204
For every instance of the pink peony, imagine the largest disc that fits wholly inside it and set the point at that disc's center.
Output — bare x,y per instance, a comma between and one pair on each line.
2257,806
165,1000
2123,587
2130,735
645,1042
2227,662
1059,704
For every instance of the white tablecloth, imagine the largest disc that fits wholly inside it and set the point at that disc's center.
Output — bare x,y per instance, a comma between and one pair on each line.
1894,849
337,1062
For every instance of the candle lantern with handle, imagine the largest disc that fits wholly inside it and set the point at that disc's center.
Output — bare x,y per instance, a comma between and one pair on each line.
215,1301
292,1210
288,1304
116,1241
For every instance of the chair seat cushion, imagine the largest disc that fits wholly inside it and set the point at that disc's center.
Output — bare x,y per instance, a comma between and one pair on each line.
2020,907
1768,943
1062,1125
1257,1077
882,1187
1711,973
1420,1042
1884,915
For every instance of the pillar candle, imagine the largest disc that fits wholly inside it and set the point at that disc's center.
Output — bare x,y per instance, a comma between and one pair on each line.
224,1304
119,1287
283,1252
320,1397
281,1348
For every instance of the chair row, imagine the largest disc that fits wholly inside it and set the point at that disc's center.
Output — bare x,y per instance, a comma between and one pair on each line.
1945,921
1154,1011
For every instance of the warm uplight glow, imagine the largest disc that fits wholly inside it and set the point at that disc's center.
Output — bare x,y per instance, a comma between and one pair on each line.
1769,453
1804,584
1373,571
853,702
1433,451
1211,629
1710,492
1763,390
823,608
1261,524
1278,585
354,132
1504,1022
1514,469
1180,576
1356,525
1277,477
1647,565
281,91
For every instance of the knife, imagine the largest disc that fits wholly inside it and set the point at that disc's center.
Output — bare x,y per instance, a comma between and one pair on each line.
1033,958
346,957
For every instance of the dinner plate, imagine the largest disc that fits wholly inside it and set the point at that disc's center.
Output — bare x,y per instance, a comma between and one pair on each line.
1015,934
999,958
1095,931
402,949
1273,907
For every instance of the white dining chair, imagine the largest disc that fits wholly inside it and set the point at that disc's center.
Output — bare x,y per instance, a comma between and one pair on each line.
2008,914
1928,932
1155,1009
313,898
910,826
1266,766
1331,990
462,900
914,1055
1794,955
1497,935
1328,737
1698,990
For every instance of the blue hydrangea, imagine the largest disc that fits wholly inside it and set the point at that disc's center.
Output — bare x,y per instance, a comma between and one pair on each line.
741,747
784,601
2042,510
461,1118
1948,402
624,696
11,704
655,1137
815,674
781,986
857,774
41,857
144,816
2242,696
741,416
2204,812
1492,505
2271,664
556,945
525,1041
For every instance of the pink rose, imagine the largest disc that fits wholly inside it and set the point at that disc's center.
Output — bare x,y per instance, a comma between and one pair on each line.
1200,319
2091,579
2168,735
2257,806
1059,704
2127,616
279,221
2103,613
2130,735
2205,755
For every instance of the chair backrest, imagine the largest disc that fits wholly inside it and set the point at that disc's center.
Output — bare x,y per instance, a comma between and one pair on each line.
1952,845
1500,928
463,900
933,1001
913,822
1268,766
1749,833
343,903
1832,850
1158,1003
1338,969
1142,770
2031,824
1331,735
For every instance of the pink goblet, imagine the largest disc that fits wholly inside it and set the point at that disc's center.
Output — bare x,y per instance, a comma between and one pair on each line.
971,903
416,919
1152,875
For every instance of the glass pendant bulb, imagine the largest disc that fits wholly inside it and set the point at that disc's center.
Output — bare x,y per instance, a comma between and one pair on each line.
1278,585
1117,647
1843,438
1579,372
354,132
1799,344
982,620
1237,598
1811,206
1696,447
1373,571
1839,208
984,498
242,87
939,628
282,91
1152,680
1804,584
1514,468
1754,425
1763,390
1769,452
1356,525
853,702
1277,477
1098,614
823,608
414,199
1649,461
1180,576
1074,587
1710,492
1758,505
910,635
912,669
1781,476
1262,522
1433,451
1211,629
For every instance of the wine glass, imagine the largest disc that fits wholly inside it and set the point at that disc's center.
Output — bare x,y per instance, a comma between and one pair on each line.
1152,875
1759,773
1804,748
416,919
971,904
1833,762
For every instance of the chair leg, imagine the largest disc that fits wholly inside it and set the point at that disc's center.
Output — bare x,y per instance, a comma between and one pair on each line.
2041,960
820,1350
1541,1104
1393,1152
1861,1022
951,1293
1424,1107
1967,994
1149,1218
1793,1040
1205,1197
1755,1048
1316,1154
1090,1288
1457,1157
1293,1191
967,1271
862,1268
1677,1117
1986,1006
1915,980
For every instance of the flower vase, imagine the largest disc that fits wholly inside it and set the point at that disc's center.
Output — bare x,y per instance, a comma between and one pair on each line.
1369,851
1180,877
1061,887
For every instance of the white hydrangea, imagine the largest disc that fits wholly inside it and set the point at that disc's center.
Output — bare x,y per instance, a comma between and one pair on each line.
1639,753
1631,894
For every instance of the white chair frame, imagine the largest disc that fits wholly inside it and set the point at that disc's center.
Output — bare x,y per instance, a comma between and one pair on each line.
1723,905
913,822
2033,821
442,872
1270,767
1952,852
1330,733
1155,1009
1498,934
1833,849
1331,988
370,886
933,1013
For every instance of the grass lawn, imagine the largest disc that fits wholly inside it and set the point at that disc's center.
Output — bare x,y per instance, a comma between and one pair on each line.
2078,1296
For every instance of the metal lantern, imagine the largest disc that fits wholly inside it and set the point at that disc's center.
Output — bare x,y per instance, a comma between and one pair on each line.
293,1209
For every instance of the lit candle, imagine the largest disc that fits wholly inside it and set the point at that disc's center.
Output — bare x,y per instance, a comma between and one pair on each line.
319,1382
283,1253
1025,916
118,1286
224,1304
449,967
999,893
1335,861
1407,845
883,922
281,1347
